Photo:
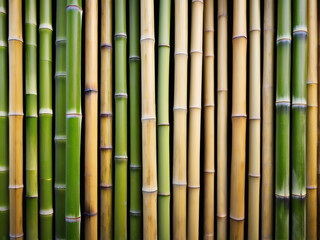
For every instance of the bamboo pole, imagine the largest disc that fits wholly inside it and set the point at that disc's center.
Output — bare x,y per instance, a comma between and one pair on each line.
148,118
15,119
179,178
318,147
74,117
106,223
31,119
209,112
91,120
163,128
254,120
267,121
4,124
312,119
222,128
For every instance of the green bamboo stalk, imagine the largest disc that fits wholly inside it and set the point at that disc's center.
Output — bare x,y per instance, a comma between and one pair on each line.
135,122
31,119
163,121
283,86
74,117
60,120
120,155
4,125
299,119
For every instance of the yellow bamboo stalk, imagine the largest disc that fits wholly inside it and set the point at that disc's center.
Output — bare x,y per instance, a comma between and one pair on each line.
148,118
318,148
179,180
312,119
106,225
15,119
208,105
222,112
239,120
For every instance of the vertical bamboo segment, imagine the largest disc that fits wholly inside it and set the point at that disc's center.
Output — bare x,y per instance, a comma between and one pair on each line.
222,112
106,224
74,117
312,119
15,119
163,128
318,147
179,180
4,124
239,119
91,120
254,120
208,105
267,122
148,118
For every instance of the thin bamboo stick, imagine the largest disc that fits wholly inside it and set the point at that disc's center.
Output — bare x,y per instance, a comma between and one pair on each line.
148,118
106,223
239,120
15,119
318,147
179,179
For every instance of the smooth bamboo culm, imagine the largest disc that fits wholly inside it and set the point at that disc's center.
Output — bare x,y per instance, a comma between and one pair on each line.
239,120
283,103
299,120
4,124
209,109
312,121
267,121
15,119
74,117
60,120
254,120
91,121
106,96
222,113
318,147
148,119
135,121
179,176
31,122
163,125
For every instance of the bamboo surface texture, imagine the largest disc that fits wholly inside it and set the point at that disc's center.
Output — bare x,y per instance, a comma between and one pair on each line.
15,119
106,96
239,120
267,121
318,141
179,176
209,114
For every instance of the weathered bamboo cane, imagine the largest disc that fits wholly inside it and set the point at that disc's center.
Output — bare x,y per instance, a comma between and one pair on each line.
318,147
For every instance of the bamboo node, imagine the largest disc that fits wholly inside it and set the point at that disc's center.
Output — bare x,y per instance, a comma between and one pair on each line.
120,95
90,214
46,212
280,196
300,29
310,82
4,209
45,179
121,158
163,45
3,10
73,114
221,215
255,118
208,55
75,7
105,114
209,29
164,194
45,111
134,58
45,26
200,1
106,147
16,235
180,109
59,186
60,74
311,187
284,39
15,114
106,45
181,53
179,183
254,29
102,185
194,186
134,166
222,90
15,186
236,219
195,51
72,219
195,107
209,171
91,90
120,35
60,138
148,118
208,105
3,44
147,38
238,115
3,114
15,39
4,169
239,36
301,196
149,190
254,175
135,212
163,124
60,40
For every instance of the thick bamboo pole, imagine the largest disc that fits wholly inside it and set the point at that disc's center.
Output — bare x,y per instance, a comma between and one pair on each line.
267,121
31,119
179,178
148,118
74,117
163,125
15,119
312,121
222,128
91,120
106,96
254,120
318,147
209,112
239,119
4,123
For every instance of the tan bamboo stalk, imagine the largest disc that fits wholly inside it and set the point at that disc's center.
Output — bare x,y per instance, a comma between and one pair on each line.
91,120
318,148
312,119
254,120
179,180
209,109
15,119
148,119
239,119
106,97
222,112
